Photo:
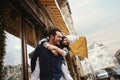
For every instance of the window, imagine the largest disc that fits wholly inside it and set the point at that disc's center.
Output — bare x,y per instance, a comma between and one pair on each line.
13,59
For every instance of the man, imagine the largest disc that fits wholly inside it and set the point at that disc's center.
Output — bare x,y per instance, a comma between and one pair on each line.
50,66
60,52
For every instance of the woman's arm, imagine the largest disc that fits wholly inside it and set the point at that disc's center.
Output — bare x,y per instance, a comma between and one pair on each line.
57,49
53,48
61,51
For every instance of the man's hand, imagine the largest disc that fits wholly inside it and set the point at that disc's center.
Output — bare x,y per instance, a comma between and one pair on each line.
54,52
52,48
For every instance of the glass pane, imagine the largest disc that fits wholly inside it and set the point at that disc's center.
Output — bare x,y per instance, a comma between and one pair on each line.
30,49
13,59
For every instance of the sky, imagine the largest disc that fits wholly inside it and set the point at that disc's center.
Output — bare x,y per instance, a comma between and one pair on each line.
98,21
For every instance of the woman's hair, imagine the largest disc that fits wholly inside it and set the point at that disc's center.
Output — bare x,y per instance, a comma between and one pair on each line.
63,45
63,37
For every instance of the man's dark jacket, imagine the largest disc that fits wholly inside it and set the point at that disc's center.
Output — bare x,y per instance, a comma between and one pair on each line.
50,65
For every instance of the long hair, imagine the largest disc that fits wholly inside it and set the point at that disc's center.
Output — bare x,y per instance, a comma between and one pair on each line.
63,45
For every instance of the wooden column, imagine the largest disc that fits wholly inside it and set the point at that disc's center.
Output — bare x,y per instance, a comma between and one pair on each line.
24,51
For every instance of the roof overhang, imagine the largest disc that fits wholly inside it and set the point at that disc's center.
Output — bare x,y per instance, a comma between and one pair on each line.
55,14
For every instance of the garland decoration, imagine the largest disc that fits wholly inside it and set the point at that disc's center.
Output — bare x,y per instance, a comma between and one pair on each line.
2,38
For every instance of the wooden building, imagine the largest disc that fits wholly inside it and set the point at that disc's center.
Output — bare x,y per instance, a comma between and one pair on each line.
22,24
